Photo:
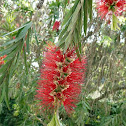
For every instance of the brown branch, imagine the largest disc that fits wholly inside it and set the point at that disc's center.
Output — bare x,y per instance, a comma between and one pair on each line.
110,92
39,5
88,35
41,121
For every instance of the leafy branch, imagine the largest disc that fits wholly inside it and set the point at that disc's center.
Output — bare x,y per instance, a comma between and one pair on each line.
72,25
107,93
13,50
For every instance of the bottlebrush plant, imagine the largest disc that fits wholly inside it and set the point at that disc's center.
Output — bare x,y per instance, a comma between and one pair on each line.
1,60
111,9
56,26
60,82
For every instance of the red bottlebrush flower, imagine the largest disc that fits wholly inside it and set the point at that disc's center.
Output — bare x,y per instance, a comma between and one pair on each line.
21,17
17,25
56,26
61,79
1,59
68,1
108,7
13,37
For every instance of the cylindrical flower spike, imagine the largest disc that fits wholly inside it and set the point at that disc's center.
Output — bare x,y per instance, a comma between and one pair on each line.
1,59
106,8
61,78
110,10
56,26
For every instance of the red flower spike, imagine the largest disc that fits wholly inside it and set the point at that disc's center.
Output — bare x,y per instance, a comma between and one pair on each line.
108,7
13,37
60,83
56,26
17,25
4,56
1,59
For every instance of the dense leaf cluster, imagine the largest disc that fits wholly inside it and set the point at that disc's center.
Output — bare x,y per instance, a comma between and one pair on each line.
24,32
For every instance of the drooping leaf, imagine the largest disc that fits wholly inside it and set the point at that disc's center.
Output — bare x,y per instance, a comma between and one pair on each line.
27,40
85,16
73,21
89,3
54,121
36,36
115,21
16,30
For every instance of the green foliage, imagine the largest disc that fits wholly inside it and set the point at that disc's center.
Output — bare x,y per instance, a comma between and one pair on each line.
13,51
109,115
14,116
10,117
103,98
72,25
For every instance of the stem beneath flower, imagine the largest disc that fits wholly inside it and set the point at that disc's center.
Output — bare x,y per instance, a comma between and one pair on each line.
57,114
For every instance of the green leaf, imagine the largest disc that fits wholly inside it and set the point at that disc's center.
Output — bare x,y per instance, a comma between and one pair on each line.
76,37
75,17
26,68
77,52
76,42
115,21
36,36
9,49
30,23
78,30
8,43
12,54
23,31
6,91
79,22
4,67
2,77
64,31
62,41
57,120
54,121
67,42
67,17
69,22
69,14
27,40
2,94
89,2
85,16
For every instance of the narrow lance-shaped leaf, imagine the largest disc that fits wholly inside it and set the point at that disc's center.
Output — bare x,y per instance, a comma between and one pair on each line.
36,36
67,43
85,16
8,50
6,91
25,60
75,17
69,14
15,30
115,21
79,29
8,43
27,39
13,51
89,2
54,121
2,93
